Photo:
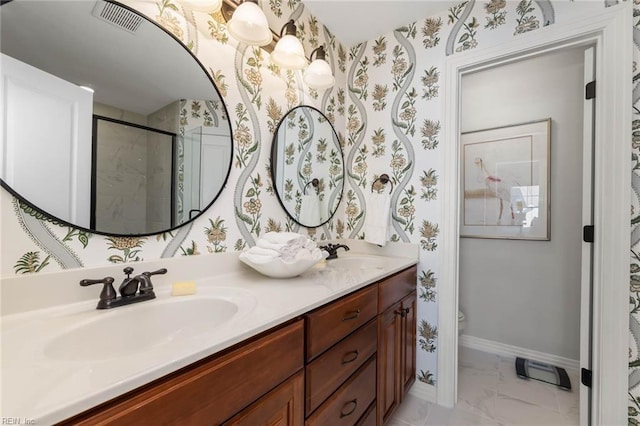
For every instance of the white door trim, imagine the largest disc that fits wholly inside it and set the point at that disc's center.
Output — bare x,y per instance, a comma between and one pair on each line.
610,31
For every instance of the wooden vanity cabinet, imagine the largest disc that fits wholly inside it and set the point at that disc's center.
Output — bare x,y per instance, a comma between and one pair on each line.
349,362
396,341
254,380
341,367
358,372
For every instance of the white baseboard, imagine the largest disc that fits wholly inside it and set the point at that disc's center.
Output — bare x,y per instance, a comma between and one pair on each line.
424,391
514,351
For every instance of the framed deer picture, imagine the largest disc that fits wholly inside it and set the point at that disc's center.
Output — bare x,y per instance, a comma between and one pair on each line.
506,182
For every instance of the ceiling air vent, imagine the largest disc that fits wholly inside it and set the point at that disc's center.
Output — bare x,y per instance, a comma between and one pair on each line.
118,16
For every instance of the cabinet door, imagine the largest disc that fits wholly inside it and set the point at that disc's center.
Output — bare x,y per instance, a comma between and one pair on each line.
389,360
409,342
283,406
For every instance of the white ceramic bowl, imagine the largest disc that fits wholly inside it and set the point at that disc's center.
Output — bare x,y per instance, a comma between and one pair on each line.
276,268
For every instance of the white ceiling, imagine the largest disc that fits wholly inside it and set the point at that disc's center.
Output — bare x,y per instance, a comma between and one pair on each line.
354,21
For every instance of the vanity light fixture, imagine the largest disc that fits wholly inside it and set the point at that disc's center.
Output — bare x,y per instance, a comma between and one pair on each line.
249,25
318,75
289,53
206,6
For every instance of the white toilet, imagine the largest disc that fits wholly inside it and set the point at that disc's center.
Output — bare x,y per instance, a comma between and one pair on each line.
461,323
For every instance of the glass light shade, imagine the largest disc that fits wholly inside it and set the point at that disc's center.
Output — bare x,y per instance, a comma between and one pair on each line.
289,53
206,6
319,75
249,25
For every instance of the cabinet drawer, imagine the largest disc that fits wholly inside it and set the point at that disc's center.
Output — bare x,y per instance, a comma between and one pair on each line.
330,324
212,390
350,401
327,372
369,417
397,286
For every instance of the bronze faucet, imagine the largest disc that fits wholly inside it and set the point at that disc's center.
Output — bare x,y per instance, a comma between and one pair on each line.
332,249
132,290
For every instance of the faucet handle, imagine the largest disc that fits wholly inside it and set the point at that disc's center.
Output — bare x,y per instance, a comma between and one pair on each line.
145,280
107,293
158,272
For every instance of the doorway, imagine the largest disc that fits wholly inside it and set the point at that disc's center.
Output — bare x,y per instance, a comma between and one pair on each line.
608,31
520,265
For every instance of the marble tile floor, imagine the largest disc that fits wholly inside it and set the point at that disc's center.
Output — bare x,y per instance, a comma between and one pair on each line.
490,393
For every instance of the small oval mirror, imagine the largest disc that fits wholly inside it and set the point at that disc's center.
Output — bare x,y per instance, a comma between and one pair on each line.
307,167
111,124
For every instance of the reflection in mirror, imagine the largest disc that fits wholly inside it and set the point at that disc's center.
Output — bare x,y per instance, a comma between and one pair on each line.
158,148
307,166
83,72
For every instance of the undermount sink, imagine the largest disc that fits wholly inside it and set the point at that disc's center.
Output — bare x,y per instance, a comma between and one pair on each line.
357,262
148,325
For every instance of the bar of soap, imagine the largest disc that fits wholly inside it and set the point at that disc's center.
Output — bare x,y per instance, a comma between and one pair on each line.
183,288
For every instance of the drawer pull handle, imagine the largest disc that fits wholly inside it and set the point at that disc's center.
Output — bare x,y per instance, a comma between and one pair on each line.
350,357
353,402
351,315
401,312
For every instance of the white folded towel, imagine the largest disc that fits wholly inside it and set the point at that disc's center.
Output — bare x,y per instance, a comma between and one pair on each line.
289,247
261,255
300,254
270,246
376,223
260,251
310,210
280,248
284,238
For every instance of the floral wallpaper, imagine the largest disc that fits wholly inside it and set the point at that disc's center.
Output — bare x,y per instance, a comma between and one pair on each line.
256,93
386,108
393,122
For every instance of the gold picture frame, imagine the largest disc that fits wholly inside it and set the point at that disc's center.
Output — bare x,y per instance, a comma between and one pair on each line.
505,185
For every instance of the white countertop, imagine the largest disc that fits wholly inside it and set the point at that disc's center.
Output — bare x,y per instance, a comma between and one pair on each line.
44,389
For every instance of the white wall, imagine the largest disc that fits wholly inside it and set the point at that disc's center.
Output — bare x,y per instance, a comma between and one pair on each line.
527,293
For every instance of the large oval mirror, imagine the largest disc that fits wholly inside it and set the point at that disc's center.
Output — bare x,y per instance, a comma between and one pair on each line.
109,123
307,166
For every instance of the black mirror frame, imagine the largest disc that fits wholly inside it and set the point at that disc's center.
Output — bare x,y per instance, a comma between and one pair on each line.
274,145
